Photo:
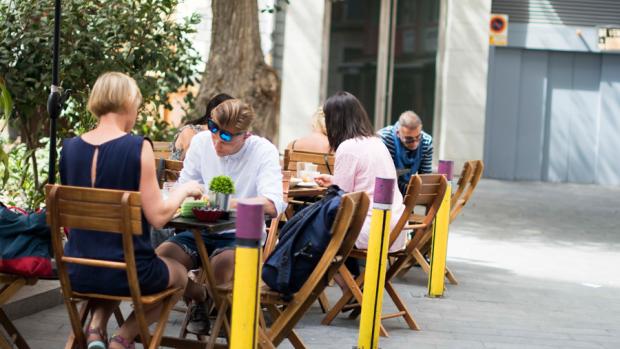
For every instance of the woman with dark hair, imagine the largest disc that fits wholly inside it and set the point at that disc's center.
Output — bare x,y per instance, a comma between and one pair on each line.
185,134
361,156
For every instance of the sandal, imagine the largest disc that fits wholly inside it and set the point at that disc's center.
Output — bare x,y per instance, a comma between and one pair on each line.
96,343
122,341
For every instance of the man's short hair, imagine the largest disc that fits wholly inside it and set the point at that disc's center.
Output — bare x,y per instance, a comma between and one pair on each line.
234,114
409,119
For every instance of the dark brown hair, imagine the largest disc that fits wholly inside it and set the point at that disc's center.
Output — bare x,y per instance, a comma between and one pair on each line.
213,102
345,118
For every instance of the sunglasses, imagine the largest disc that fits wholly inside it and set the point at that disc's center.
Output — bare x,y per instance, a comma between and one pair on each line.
409,139
224,135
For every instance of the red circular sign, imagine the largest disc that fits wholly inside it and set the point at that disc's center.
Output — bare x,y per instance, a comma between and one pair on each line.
498,24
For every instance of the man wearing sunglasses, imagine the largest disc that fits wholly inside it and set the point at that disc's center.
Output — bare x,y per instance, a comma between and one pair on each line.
253,163
410,147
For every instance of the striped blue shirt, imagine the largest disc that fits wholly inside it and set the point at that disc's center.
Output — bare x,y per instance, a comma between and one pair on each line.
426,162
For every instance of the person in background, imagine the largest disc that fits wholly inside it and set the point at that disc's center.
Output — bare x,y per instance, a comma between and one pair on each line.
110,157
184,136
253,163
317,140
361,157
410,147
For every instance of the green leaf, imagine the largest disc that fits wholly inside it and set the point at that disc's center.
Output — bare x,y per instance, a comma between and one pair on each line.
6,102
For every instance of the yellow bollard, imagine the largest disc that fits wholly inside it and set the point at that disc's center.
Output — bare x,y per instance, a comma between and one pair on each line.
374,276
439,248
246,286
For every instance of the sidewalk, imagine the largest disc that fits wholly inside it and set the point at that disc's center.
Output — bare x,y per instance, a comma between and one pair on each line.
537,266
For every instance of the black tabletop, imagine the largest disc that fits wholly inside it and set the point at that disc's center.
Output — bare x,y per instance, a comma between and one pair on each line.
193,223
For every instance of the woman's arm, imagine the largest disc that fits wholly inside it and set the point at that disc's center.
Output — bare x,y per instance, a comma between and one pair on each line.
157,211
184,140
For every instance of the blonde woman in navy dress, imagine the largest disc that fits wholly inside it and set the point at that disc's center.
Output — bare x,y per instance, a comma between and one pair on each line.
110,157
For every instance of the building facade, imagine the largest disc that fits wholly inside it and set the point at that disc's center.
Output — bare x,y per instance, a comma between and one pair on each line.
545,107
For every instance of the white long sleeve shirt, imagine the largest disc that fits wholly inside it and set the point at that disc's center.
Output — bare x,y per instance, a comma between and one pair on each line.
255,168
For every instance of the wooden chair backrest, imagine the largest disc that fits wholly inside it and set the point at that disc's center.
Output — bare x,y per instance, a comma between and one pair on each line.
431,194
464,179
345,230
161,149
272,231
325,162
411,195
465,191
168,170
111,211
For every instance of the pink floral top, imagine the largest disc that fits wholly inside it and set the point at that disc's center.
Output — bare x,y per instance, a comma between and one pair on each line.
358,162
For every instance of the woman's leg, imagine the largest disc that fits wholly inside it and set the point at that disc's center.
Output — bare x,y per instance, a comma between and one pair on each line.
177,277
101,310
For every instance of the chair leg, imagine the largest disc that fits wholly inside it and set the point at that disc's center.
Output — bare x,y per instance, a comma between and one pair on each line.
324,302
451,278
264,341
420,259
401,306
118,315
4,344
352,286
166,307
293,337
219,321
13,333
77,319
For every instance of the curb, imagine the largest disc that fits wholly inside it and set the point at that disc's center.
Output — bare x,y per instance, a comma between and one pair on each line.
29,300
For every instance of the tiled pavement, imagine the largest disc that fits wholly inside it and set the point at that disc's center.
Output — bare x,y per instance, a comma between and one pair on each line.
537,265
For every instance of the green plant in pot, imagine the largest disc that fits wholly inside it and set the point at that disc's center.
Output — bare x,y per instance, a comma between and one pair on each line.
223,187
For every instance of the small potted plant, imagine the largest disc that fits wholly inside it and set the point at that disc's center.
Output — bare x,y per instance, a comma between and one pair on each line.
223,187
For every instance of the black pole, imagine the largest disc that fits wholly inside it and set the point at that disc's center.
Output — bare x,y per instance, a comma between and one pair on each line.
54,99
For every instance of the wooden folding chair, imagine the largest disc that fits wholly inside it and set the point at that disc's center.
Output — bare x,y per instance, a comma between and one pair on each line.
287,311
433,189
468,180
355,285
167,170
10,284
470,176
324,161
161,149
112,211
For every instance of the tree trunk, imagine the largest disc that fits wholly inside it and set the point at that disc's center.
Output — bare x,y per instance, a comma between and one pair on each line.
236,65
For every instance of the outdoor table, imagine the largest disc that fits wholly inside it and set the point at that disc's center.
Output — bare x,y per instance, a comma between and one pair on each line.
207,277
305,192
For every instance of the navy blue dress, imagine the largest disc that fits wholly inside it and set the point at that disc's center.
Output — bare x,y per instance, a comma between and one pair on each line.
118,167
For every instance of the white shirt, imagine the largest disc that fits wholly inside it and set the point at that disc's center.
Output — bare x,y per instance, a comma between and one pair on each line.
255,168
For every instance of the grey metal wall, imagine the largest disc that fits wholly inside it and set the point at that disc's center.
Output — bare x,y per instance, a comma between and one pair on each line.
560,12
553,116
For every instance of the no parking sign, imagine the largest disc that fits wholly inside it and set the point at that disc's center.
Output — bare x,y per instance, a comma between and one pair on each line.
498,29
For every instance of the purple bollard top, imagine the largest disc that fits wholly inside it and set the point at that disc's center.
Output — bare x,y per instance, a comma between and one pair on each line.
384,191
445,167
250,220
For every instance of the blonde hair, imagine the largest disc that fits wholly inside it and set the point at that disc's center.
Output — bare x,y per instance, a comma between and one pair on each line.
318,122
113,92
234,113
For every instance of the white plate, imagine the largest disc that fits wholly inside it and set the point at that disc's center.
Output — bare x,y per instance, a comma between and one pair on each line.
307,184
